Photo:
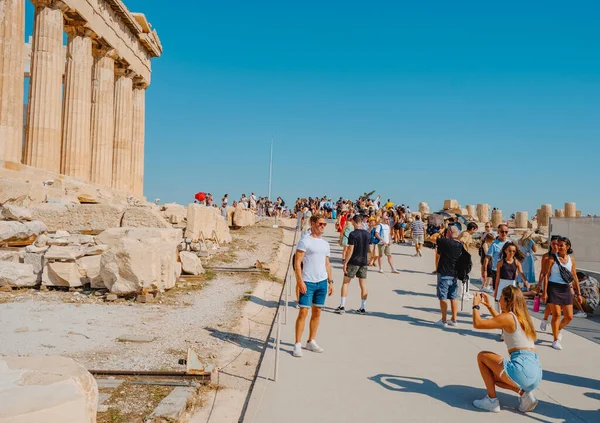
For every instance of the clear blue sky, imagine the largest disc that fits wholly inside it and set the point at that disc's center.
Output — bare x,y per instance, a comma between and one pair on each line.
421,101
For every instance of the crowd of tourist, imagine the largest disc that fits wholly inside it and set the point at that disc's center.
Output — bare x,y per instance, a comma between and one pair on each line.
367,230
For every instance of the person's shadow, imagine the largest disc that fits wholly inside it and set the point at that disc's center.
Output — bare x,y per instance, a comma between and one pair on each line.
461,396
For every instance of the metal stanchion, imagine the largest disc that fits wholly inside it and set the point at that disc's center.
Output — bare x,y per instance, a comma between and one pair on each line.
277,344
286,300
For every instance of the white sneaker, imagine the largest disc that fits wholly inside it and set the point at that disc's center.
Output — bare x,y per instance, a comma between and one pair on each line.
559,335
543,326
453,323
468,296
312,346
580,314
488,404
556,345
395,271
380,270
527,402
297,350
441,323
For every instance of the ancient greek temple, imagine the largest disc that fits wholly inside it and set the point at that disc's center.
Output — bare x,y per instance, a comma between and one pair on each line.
85,113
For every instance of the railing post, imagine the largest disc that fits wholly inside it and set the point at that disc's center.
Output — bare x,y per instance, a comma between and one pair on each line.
277,345
286,299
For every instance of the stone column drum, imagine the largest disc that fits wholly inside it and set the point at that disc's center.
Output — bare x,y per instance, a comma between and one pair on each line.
470,209
77,106
496,218
123,130
522,220
423,209
137,150
559,213
103,116
545,214
483,213
43,142
12,38
570,210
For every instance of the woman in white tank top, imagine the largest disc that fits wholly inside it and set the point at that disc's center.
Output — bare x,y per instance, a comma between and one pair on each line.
522,373
558,292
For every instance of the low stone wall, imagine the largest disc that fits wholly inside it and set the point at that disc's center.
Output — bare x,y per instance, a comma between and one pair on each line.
206,221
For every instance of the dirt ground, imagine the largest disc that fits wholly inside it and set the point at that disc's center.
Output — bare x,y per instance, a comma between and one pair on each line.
209,314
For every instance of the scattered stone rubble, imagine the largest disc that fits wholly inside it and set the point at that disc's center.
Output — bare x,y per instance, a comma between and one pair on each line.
125,249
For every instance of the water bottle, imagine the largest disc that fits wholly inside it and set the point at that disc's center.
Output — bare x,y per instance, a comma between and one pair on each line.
536,303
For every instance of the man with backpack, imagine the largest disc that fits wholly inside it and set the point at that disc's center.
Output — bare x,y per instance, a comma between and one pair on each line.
383,235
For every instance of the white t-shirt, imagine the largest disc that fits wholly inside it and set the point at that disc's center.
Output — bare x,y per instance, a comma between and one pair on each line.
384,232
315,251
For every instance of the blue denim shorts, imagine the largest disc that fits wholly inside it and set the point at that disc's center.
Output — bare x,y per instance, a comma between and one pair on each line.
316,293
524,369
447,287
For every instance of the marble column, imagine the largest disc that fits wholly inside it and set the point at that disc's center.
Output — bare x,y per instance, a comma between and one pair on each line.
522,220
137,151
43,141
496,218
103,115
12,38
570,210
77,106
122,177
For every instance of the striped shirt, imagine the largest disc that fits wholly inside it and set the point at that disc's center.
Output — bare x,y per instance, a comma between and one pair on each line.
418,227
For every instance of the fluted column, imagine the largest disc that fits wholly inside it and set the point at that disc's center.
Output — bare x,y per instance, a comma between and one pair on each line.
77,106
43,142
123,129
12,37
137,151
103,116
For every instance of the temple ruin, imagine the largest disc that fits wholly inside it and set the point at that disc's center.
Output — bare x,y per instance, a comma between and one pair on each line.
86,108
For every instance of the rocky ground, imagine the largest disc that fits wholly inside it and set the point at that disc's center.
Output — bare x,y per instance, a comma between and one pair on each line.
203,312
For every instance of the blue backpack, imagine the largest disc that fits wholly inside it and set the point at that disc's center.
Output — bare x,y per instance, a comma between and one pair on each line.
374,239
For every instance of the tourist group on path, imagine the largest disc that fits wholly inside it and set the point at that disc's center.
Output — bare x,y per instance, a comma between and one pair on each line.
367,232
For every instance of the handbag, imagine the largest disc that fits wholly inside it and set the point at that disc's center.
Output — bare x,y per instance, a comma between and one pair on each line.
565,274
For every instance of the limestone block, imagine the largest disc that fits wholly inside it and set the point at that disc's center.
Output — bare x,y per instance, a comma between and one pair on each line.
143,217
423,208
570,210
204,219
522,218
89,267
243,217
559,213
61,274
230,212
36,261
58,241
223,231
496,218
42,240
190,263
451,204
48,389
81,240
174,212
23,232
61,234
139,258
578,213
12,212
464,212
178,270
57,252
94,250
111,236
20,193
9,255
90,218
16,274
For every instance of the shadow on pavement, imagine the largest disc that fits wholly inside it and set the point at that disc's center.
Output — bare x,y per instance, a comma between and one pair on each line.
585,382
462,397
414,271
418,294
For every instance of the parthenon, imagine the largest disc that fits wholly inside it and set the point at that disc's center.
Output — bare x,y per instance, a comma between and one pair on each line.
86,107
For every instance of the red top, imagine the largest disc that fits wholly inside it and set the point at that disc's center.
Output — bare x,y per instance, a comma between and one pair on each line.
342,223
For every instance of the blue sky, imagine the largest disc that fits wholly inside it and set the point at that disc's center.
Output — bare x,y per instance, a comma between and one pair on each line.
421,101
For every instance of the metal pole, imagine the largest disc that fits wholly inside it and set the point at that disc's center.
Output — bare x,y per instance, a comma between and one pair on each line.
270,170
286,299
277,344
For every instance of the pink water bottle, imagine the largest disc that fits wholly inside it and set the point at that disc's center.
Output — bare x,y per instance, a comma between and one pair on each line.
536,303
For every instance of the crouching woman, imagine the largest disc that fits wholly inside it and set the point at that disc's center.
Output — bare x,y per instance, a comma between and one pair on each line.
522,373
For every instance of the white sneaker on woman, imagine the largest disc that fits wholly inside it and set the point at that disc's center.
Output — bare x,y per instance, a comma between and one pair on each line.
556,345
527,402
543,325
488,404
312,346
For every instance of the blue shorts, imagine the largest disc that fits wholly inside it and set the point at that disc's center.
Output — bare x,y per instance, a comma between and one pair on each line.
447,287
524,369
316,292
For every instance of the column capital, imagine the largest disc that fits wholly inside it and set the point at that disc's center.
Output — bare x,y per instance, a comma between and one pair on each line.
139,82
78,28
54,4
102,49
121,70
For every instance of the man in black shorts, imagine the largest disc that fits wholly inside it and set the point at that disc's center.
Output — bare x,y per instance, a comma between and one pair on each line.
356,264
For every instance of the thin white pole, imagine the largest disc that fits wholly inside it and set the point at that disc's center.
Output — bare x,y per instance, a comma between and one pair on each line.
270,170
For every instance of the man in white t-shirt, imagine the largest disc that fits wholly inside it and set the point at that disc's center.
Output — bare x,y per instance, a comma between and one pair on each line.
313,279
382,233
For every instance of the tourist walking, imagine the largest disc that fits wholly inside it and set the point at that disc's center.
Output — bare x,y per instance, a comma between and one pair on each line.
466,238
313,278
449,250
344,234
373,249
492,255
355,265
418,235
560,281
522,373
382,233
528,248
224,202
